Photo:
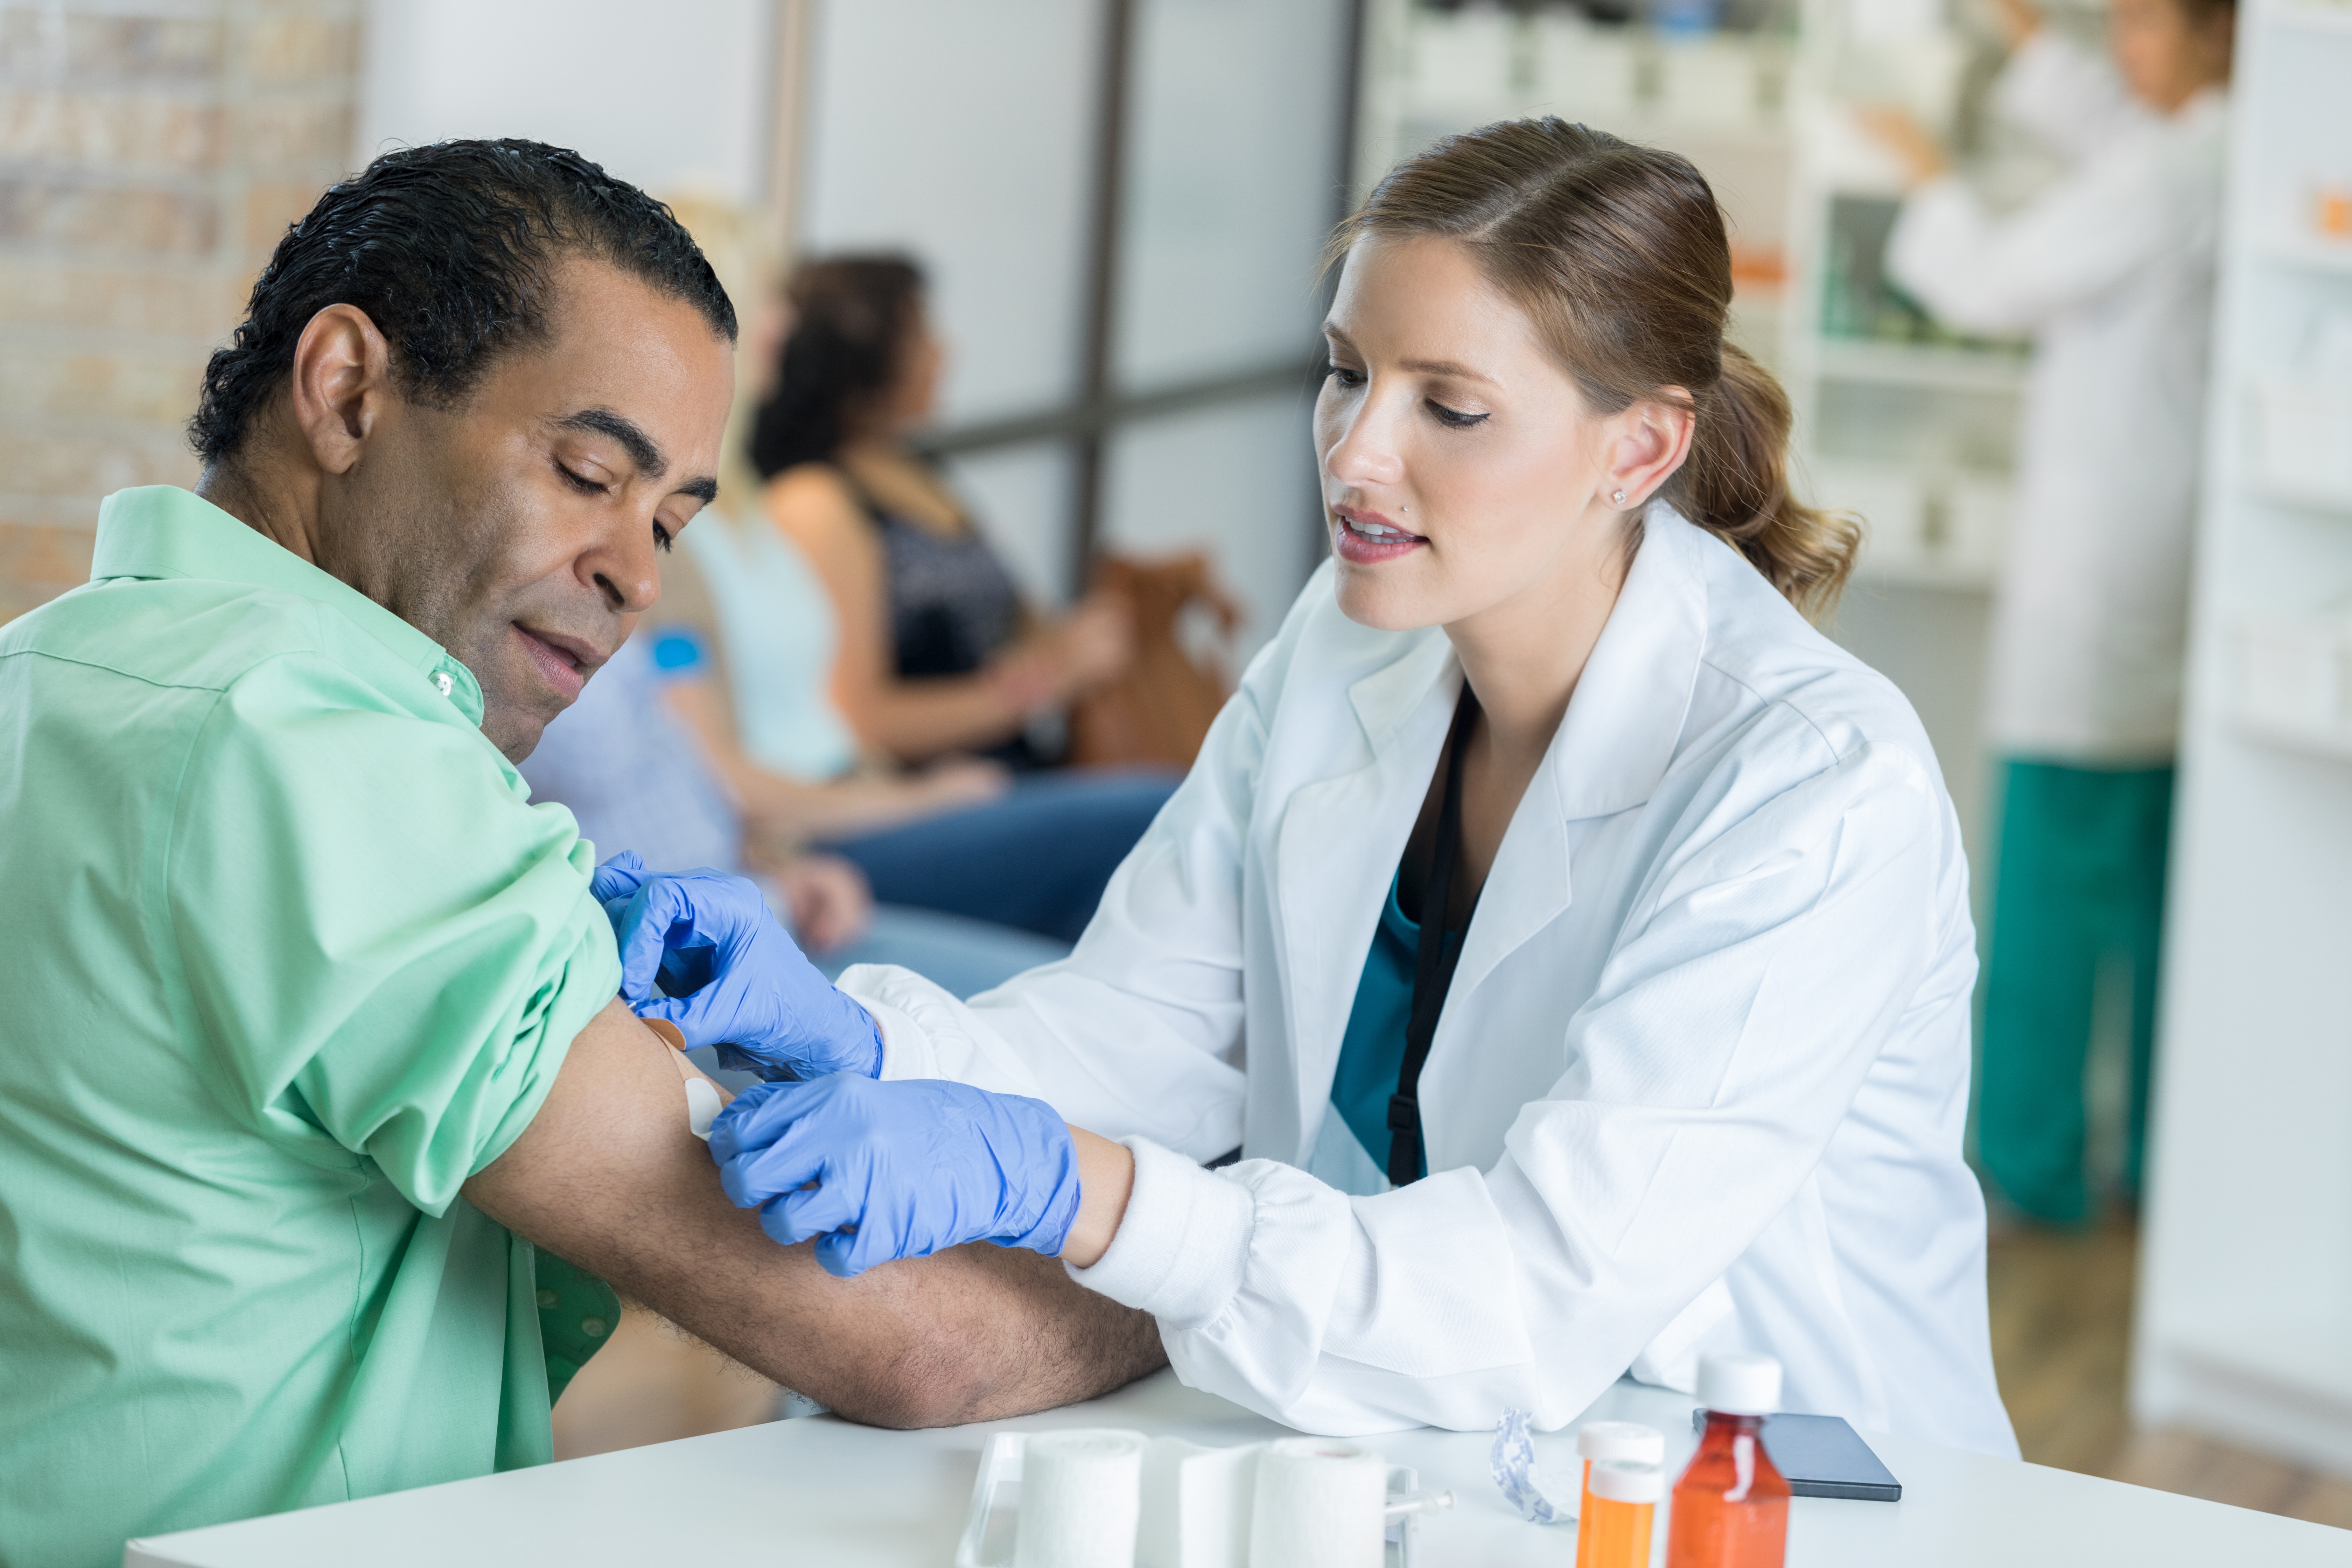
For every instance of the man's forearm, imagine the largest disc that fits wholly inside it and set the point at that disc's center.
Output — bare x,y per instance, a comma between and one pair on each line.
608,1176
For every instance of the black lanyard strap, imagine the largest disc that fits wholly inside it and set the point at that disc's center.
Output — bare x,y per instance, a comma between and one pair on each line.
1432,965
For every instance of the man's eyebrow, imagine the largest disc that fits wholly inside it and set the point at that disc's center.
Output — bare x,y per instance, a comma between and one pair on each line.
705,490
628,433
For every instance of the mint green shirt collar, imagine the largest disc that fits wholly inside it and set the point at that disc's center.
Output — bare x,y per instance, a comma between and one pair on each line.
162,531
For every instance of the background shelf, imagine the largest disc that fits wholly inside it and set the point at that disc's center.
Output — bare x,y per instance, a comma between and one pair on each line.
1928,365
2246,1278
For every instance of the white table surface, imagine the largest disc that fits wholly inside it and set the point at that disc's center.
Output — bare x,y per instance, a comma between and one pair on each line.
820,1490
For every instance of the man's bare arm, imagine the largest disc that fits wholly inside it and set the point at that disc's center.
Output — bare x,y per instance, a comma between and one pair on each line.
608,1176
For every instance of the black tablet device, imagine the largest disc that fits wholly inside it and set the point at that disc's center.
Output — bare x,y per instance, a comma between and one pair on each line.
1822,1456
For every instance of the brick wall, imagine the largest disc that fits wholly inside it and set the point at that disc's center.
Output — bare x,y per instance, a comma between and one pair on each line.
152,151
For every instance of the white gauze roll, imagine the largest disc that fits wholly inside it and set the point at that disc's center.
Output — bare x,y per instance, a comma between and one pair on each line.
1320,1504
1080,1494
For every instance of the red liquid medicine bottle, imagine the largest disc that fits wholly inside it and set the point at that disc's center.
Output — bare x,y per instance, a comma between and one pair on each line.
1731,1506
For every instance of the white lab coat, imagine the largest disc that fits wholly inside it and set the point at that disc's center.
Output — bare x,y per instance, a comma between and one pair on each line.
1699,1082
2112,270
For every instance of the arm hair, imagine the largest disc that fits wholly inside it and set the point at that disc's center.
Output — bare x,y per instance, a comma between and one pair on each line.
608,1176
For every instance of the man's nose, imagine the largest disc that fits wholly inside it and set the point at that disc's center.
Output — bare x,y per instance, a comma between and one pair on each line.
626,569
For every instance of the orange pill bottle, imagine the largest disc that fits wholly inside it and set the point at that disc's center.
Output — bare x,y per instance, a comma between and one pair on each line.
1620,1501
1613,1443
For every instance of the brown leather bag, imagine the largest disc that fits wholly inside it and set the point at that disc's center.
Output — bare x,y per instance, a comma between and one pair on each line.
1161,710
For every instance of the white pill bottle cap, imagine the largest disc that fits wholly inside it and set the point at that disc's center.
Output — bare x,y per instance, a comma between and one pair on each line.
1628,1483
1738,1384
1620,1442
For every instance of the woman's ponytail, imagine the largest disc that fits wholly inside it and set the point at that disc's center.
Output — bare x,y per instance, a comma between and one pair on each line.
1618,252
1735,485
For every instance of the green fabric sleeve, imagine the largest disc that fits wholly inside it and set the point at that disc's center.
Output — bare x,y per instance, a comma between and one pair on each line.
388,949
577,1315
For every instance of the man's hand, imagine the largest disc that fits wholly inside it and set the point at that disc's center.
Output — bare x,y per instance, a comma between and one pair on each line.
608,1176
735,979
875,1172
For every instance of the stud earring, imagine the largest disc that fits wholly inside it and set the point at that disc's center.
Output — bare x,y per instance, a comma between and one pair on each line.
1617,497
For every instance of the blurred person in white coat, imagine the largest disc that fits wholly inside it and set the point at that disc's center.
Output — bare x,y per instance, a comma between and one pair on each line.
2111,270
1571,943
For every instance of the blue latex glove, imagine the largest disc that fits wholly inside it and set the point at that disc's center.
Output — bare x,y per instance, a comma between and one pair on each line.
901,1169
615,881
733,978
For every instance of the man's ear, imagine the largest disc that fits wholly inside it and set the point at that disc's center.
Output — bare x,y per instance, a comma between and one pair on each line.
341,384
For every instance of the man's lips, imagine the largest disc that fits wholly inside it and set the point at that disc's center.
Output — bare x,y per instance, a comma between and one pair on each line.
565,662
1366,538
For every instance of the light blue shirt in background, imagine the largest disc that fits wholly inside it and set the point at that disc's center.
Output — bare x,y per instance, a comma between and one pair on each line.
781,636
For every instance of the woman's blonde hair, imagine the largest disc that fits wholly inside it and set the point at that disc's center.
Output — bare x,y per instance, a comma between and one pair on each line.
1618,255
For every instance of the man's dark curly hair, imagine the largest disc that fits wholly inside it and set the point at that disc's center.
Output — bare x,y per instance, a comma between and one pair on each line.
451,249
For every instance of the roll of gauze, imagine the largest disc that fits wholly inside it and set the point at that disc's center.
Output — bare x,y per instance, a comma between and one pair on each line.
1196,1505
1320,1504
1079,1495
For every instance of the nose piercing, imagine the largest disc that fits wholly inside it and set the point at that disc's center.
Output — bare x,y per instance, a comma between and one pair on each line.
1618,496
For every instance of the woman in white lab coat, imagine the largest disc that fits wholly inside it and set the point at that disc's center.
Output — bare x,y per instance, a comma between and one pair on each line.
2112,271
1699,1076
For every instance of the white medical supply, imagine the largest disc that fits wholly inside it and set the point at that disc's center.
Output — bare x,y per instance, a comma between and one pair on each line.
1320,1504
1080,1494
1186,1506
1196,1505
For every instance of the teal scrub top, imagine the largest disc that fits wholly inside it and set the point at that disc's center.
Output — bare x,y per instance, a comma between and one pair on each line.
1371,1052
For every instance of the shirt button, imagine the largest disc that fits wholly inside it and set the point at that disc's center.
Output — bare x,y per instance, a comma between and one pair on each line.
547,1300
593,1327
441,679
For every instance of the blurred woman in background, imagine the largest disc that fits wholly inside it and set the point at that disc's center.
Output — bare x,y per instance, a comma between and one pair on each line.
2112,271
937,653
991,839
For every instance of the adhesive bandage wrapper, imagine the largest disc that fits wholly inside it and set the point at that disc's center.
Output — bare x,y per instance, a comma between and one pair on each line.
1512,1461
1080,1495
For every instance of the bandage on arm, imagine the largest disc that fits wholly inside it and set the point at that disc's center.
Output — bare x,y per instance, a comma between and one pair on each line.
609,1177
705,1096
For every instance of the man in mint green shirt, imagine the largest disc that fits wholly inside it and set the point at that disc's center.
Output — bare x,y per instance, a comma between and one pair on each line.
310,1031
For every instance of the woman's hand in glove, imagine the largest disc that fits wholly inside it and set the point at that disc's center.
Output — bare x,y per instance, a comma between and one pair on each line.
735,979
880,1170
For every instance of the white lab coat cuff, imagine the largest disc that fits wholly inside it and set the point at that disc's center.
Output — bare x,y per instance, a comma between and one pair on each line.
906,1049
1181,1248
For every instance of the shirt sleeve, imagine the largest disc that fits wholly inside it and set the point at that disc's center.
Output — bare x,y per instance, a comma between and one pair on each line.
2009,273
1732,1027
679,653
386,950
2068,98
